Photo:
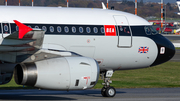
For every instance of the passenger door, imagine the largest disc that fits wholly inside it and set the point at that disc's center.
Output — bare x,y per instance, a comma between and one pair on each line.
124,31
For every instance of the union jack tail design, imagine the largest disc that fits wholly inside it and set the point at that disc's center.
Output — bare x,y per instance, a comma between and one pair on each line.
143,49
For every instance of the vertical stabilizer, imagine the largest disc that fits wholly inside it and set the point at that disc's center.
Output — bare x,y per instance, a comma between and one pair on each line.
178,3
103,6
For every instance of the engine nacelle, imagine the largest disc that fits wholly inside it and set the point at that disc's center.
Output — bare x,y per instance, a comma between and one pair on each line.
65,73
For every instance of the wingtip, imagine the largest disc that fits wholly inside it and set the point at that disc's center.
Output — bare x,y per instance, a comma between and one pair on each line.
23,29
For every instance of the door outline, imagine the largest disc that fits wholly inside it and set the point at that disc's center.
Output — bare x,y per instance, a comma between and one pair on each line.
118,45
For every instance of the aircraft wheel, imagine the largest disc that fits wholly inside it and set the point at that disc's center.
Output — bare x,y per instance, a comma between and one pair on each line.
103,92
110,92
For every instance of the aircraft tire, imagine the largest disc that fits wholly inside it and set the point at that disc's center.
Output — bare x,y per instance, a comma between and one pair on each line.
110,92
103,92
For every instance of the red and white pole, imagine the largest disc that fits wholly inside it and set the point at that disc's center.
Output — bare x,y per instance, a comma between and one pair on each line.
6,3
32,3
161,15
107,4
135,7
19,2
67,3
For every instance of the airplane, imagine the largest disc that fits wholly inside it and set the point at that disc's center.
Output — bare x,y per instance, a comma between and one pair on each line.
59,48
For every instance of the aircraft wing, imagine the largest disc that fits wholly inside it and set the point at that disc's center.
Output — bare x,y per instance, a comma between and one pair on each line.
22,44
25,45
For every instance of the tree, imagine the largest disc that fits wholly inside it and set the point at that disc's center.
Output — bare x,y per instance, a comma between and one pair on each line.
169,5
141,3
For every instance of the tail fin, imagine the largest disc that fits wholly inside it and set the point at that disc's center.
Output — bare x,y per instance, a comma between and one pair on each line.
178,3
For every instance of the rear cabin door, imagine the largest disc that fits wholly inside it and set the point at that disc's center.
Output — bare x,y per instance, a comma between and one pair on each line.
5,29
124,31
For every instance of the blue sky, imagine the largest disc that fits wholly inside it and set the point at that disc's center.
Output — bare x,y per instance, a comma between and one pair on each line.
165,1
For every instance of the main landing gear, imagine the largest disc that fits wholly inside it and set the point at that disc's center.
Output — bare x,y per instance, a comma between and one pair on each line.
107,90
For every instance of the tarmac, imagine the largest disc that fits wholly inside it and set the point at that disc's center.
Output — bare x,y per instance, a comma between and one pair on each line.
138,94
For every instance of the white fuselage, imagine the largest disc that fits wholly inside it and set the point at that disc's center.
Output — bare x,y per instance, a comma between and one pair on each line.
113,52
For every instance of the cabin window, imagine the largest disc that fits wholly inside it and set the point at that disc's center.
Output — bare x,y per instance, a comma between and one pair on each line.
66,29
81,30
74,29
51,28
88,30
95,30
29,26
138,30
124,31
102,29
154,32
150,30
5,28
59,29
44,28
147,30
37,27
17,28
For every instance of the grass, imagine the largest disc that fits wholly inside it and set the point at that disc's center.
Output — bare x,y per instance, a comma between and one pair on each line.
164,75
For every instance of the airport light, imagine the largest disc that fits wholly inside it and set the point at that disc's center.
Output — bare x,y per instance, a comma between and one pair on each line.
107,4
135,7
32,3
6,3
161,15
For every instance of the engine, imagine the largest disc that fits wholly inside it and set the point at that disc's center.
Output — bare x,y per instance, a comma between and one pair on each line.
65,73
